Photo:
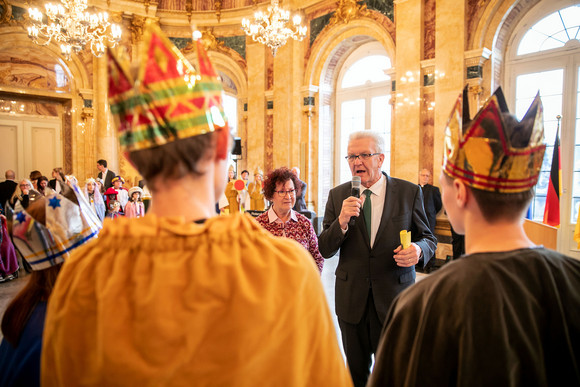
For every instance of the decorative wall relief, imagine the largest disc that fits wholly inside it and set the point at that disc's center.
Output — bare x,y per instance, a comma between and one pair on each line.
136,28
348,10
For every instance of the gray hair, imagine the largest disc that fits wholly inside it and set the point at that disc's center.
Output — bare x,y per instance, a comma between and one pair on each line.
377,138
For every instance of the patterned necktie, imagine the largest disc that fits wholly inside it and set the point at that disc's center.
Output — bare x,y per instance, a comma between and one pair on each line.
367,211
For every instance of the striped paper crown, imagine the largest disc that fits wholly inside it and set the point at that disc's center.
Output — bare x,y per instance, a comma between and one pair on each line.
69,224
492,152
168,99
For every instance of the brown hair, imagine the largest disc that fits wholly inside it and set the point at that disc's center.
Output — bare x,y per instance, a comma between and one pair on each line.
173,160
497,206
280,175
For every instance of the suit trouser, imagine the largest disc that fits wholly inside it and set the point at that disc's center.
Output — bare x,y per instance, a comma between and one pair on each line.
360,341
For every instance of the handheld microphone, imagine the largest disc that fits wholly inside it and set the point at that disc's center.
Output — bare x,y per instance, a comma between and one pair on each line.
354,191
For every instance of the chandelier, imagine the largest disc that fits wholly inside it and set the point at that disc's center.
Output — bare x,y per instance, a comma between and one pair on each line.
73,27
270,28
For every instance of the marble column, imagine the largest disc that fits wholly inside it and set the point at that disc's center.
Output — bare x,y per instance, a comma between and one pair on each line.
407,122
287,136
106,139
256,60
449,69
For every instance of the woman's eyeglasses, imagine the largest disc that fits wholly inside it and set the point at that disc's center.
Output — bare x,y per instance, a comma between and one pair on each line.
290,192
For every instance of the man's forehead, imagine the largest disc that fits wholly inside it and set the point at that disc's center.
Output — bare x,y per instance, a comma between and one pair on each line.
365,144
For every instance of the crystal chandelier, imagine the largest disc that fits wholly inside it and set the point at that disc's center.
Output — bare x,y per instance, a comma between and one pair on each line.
270,28
73,27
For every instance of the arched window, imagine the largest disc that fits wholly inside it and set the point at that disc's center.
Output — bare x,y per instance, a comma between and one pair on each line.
362,102
230,103
546,58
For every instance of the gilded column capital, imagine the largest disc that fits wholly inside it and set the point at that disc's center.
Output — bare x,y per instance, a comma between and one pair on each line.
136,28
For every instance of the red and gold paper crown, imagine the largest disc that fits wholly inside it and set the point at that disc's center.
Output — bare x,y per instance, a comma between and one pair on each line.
486,156
168,99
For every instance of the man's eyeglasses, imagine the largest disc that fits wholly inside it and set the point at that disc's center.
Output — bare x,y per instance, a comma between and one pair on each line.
362,156
290,192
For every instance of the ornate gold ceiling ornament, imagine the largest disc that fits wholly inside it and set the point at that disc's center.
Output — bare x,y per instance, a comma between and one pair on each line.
6,12
136,27
208,40
348,10
217,4
189,10
147,3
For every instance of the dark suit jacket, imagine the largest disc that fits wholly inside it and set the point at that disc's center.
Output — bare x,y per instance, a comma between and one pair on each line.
300,204
361,268
432,203
107,180
7,188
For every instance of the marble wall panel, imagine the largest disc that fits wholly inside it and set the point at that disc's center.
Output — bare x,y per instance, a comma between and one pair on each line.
386,7
317,25
429,29
32,69
269,144
236,43
426,159
26,106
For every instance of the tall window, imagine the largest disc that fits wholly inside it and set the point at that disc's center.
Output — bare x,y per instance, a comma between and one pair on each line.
546,58
362,102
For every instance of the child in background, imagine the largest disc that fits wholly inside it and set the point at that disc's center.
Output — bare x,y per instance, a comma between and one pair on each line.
135,207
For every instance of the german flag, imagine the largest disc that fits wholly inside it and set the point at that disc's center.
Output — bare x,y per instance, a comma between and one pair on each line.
552,209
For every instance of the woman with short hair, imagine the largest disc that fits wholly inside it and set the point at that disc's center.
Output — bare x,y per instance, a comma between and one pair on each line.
281,188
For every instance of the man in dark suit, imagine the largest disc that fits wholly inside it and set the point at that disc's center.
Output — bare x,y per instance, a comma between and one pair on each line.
7,187
300,204
373,268
105,174
431,198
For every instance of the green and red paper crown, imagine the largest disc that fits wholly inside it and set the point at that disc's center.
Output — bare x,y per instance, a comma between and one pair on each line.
169,99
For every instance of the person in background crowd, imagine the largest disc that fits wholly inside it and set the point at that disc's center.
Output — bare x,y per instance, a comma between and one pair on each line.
45,233
135,207
122,193
7,187
231,193
34,175
105,174
57,175
281,220
245,176
431,198
24,194
256,191
114,210
42,184
180,296
94,198
507,313
300,201
373,266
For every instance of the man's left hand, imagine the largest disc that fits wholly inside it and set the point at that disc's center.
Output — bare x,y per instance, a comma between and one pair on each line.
407,257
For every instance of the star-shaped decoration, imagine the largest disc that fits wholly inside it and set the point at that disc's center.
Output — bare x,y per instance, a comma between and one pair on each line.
54,202
20,217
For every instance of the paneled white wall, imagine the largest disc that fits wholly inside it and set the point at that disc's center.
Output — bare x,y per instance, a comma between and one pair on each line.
30,143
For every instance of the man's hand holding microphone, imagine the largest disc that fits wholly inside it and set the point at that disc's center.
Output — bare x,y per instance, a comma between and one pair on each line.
351,206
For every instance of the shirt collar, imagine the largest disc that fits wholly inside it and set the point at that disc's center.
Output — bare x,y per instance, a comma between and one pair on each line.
379,187
272,217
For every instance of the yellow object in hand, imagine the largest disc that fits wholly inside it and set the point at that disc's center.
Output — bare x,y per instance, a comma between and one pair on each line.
405,238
